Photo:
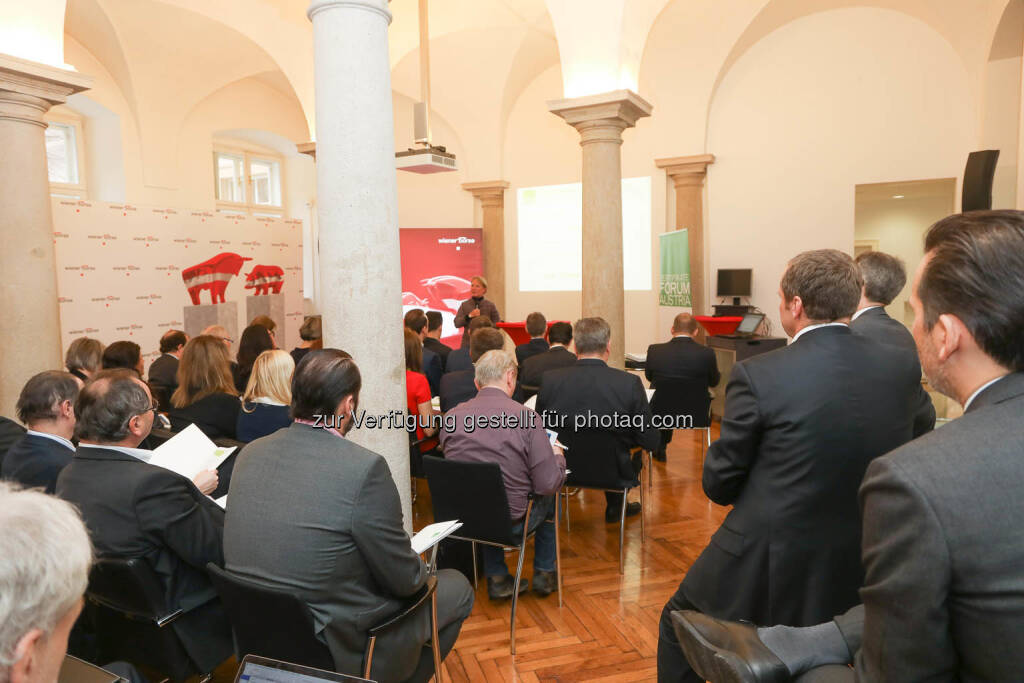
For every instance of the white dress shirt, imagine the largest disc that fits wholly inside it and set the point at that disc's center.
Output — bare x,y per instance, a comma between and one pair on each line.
861,311
137,453
814,327
983,387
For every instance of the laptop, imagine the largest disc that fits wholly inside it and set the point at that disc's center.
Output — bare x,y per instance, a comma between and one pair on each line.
74,670
747,327
262,670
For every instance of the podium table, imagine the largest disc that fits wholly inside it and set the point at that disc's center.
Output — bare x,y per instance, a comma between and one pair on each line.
518,330
730,351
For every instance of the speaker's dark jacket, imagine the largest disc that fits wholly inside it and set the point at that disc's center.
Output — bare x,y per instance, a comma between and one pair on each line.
440,348
801,425
876,324
133,509
35,461
681,358
531,372
530,348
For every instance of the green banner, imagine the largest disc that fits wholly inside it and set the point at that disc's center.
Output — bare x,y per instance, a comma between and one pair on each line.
675,269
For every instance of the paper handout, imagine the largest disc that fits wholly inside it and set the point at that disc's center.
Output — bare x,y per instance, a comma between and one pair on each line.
189,452
429,536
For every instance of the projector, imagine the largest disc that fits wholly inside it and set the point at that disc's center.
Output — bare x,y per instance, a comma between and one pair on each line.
428,160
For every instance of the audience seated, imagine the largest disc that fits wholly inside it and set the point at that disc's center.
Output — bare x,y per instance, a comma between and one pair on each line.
801,426
255,340
591,388
84,358
123,354
221,333
416,321
267,396
460,385
558,355
943,595
417,392
536,327
267,322
47,406
311,334
458,359
884,277
163,372
681,359
206,394
344,551
528,463
134,509
433,339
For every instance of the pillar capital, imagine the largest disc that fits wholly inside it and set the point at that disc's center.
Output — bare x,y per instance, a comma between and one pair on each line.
378,6
28,89
603,117
491,193
689,170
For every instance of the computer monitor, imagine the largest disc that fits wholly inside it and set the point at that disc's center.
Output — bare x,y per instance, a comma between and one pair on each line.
262,670
734,282
748,326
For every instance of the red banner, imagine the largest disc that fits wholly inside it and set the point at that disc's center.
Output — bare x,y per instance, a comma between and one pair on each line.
437,265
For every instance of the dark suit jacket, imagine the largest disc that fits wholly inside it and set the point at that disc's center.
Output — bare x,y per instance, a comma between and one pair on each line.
458,360
432,369
801,425
457,387
590,385
462,318
163,379
943,596
531,348
343,551
876,324
531,372
440,348
216,415
10,433
681,358
133,509
35,461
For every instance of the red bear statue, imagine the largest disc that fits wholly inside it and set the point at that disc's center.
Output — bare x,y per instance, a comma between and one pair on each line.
214,275
265,279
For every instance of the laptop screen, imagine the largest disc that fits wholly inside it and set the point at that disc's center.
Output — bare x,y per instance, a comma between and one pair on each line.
749,323
262,670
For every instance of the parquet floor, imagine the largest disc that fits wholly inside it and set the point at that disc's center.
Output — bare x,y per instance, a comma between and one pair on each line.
607,627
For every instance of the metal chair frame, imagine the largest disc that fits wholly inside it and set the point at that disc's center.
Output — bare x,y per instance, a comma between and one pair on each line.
429,590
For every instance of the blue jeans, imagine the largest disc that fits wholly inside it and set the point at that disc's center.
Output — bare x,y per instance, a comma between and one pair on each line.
543,542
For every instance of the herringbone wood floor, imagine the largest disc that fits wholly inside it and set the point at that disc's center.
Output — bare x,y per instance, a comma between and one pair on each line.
607,627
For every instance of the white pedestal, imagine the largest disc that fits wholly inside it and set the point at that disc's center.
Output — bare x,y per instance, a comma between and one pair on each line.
198,318
272,306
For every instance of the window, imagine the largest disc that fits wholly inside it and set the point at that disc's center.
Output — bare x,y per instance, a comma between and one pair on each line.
248,182
65,156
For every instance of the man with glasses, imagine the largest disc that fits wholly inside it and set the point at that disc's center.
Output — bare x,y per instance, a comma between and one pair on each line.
134,509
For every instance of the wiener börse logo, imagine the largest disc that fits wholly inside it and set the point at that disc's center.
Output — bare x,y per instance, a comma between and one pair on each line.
170,323
106,298
84,331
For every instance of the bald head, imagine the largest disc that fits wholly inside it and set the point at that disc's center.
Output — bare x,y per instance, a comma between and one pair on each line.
684,323
114,408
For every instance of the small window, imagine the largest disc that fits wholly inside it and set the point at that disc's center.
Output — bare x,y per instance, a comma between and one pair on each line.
248,182
62,153
230,178
266,182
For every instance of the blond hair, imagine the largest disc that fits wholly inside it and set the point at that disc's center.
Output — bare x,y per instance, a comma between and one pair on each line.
204,369
271,378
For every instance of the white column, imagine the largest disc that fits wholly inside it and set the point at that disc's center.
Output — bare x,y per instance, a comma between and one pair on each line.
600,120
28,287
360,273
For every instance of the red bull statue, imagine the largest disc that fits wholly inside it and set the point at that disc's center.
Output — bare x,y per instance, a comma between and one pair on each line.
265,279
213,274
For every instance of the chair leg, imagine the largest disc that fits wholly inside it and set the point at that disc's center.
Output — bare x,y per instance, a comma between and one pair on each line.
650,470
434,644
568,523
369,656
622,531
415,489
643,516
558,551
515,590
475,580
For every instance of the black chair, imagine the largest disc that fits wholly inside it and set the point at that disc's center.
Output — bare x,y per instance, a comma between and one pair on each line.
474,494
593,461
276,624
686,403
133,621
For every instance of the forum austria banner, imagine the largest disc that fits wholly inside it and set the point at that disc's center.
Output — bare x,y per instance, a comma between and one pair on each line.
674,289
437,266
131,273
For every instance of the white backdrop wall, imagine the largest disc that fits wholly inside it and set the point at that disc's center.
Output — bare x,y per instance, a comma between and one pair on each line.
119,268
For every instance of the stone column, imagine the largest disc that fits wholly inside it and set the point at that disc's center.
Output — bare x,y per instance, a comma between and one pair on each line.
600,120
357,201
491,195
28,287
688,173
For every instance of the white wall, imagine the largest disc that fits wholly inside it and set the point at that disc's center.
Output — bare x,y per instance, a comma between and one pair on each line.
822,104
1000,126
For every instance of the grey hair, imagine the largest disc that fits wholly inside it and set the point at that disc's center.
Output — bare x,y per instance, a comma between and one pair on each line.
107,404
44,565
492,366
884,276
592,335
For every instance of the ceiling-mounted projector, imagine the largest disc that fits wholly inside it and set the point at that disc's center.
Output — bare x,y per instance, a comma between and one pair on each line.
427,160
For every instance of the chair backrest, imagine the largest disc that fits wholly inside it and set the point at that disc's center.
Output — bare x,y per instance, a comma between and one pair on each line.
129,586
269,622
474,494
593,459
682,397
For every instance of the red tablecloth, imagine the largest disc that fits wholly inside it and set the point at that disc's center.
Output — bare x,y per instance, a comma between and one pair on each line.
518,330
725,324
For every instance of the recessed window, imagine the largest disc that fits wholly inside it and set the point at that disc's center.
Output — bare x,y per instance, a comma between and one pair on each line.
248,182
230,178
65,157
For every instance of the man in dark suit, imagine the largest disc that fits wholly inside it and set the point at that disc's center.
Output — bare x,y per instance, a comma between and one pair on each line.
416,321
47,406
10,433
591,388
163,372
459,359
433,338
531,372
536,326
460,386
884,276
134,509
344,551
943,597
801,425
682,359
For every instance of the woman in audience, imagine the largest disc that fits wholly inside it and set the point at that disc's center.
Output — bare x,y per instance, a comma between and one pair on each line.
205,395
417,391
311,334
84,358
267,396
123,354
267,322
255,340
